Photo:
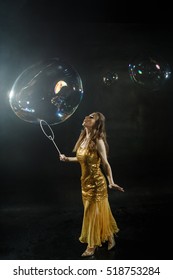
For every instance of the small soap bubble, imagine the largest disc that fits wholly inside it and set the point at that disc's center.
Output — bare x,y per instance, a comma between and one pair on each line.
110,78
149,72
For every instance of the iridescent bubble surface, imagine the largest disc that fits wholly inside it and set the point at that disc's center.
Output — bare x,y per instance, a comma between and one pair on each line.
109,78
149,72
50,90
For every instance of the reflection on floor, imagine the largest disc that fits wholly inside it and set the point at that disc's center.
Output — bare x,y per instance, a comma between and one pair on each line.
51,231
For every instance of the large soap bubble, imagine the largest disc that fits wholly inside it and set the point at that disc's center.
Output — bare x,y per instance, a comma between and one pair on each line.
51,91
149,72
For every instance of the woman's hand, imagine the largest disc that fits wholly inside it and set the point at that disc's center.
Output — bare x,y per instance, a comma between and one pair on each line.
63,157
116,187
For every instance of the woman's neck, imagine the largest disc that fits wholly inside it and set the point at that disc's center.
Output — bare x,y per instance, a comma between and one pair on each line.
88,133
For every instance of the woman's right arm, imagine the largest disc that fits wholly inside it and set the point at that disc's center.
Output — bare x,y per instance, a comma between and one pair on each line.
66,159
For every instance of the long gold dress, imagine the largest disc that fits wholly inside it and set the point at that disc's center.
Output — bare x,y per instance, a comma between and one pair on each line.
98,222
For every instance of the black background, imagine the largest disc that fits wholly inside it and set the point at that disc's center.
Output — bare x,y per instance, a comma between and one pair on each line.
40,196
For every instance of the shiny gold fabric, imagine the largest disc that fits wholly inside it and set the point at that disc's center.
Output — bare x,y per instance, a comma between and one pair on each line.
98,221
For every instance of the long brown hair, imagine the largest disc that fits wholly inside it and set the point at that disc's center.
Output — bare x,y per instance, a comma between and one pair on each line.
98,132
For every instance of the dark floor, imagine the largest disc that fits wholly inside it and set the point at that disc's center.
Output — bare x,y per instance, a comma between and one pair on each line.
45,230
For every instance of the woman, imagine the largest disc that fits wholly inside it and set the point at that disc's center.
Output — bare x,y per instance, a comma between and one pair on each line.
91,150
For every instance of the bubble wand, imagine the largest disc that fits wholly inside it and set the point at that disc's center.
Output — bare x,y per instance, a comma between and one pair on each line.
50,137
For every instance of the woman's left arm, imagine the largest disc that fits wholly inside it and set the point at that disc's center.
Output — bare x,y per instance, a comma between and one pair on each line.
107,168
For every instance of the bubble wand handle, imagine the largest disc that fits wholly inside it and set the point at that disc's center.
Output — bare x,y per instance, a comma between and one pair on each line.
50,137
55,145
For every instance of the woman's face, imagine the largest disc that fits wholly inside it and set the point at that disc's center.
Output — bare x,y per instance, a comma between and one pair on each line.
89,121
